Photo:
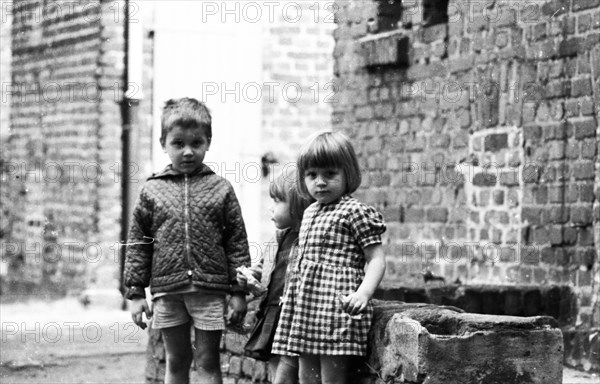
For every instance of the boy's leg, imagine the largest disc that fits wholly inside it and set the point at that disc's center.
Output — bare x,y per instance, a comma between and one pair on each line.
178,350
334,369
309,369
287,371
208,361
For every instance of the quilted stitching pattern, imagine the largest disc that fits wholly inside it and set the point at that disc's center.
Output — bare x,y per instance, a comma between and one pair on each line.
157,252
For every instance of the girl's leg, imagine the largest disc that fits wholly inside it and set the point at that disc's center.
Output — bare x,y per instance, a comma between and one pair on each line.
287,371
178,353
334,369
309,369
206,356
273,363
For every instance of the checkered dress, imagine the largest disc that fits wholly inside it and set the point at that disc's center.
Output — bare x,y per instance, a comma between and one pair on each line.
330,262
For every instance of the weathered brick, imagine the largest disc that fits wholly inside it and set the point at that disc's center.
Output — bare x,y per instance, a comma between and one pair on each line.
437,215
541,236
532,133
581,215
391,214
557,150
596,20
570,235
586,192
484,180
509,178
555,8
559,88
235,365
556,215
585,4
545,49
414,215
581,87
570,46
584,23
364,113
248,366
532,172
495,142
584,128
539,31
541,195
585,257
531,215
260,371
548,256
586,236
588,149
583,170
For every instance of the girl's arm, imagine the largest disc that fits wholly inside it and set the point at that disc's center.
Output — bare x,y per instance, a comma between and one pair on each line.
357,302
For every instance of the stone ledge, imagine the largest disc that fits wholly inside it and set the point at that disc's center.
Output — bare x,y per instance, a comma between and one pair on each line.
513,300
386,49
424,343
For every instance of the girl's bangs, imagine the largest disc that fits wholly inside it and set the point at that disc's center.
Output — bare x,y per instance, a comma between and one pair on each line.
321,155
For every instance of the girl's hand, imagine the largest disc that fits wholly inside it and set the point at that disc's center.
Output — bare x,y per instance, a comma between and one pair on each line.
242,280
355,303
238,308
139,306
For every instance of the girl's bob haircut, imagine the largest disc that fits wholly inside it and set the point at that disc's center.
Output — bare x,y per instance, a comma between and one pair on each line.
285,188
329,150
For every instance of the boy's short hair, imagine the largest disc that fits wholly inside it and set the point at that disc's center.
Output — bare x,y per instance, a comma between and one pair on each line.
185,113
329,150
285,188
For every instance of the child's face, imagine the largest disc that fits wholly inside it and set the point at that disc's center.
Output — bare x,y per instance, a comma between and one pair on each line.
186,148
325,184
280,214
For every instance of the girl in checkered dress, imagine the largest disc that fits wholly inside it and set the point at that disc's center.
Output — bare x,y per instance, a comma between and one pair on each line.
326,312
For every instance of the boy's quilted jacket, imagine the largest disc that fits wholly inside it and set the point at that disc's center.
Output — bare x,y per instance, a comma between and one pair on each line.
185,228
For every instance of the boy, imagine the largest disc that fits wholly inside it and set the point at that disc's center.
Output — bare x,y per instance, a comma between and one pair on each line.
186,240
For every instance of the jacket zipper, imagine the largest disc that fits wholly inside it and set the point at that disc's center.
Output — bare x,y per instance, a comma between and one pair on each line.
186,225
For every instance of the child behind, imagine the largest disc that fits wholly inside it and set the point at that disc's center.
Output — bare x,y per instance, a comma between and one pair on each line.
186,240
326,312
286,213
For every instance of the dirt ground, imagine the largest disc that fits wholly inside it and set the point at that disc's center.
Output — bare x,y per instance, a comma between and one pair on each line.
127,368
65,342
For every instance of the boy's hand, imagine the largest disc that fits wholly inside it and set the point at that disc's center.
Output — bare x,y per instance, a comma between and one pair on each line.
354,303
238,308
139,306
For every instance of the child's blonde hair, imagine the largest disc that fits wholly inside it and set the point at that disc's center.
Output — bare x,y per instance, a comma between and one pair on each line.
329,150
285,188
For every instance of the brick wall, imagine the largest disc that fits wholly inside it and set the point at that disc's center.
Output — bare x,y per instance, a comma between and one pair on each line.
479,141
298,64
65,148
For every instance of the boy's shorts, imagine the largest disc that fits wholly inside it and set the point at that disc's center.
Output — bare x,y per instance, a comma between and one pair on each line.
205,309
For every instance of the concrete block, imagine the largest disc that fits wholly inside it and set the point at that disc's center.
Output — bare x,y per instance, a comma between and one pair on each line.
424,343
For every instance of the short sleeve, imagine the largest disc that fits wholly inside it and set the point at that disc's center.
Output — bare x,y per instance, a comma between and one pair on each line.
367,225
